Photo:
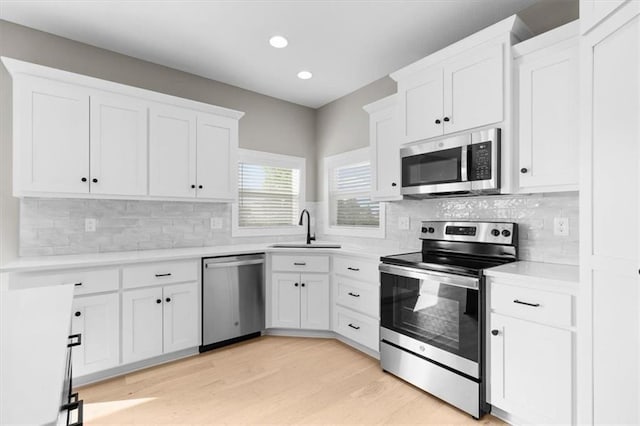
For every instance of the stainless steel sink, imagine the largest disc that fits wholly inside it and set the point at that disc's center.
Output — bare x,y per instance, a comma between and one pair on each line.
306,246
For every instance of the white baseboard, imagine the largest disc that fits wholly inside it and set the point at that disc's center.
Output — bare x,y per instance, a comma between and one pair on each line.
507,417
134,366
294,332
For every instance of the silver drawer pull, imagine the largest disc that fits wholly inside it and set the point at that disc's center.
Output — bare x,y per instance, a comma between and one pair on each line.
299,263
353,269
354,294
168,274
355,327
535,305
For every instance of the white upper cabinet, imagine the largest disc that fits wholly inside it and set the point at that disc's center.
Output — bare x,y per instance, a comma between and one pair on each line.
473,89
385,149
547,111
172,152
421,105
51,125
78,136
463,86
118,145
217,164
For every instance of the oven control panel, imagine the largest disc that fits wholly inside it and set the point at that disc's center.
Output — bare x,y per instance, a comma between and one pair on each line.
479,232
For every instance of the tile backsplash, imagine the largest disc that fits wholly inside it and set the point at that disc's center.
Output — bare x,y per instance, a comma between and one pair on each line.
57,226
534,214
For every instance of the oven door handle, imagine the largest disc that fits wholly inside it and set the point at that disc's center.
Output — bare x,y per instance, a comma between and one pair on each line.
450,279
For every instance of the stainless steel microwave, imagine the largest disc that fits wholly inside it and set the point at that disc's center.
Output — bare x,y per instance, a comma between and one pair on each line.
467,164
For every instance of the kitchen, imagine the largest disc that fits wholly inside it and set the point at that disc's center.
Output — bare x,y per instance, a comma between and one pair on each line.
131,189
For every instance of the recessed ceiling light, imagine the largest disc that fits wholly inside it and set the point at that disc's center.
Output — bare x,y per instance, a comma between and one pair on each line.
278,42
305,75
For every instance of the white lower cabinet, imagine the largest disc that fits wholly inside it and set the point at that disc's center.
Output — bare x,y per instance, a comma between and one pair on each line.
300,301
96,318
531,370
159,320
531,353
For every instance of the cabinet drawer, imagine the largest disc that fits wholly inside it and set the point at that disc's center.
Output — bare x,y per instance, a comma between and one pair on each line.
356,268
359,296
159,273
357,327
531,304
300,263
86,281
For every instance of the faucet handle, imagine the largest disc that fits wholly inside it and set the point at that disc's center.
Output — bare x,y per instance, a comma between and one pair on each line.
312,237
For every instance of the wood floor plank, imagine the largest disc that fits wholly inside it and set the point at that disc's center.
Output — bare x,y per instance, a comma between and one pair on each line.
269,380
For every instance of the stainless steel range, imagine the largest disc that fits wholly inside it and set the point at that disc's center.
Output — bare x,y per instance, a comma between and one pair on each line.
432,309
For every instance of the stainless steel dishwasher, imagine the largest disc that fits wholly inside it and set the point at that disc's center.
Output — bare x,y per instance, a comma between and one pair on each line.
232,299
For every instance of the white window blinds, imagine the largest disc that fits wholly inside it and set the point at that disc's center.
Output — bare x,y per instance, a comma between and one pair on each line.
350,199
267,195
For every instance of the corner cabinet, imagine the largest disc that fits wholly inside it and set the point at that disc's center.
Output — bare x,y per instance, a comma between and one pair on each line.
78,136
609,320
299,291
386,180
546,77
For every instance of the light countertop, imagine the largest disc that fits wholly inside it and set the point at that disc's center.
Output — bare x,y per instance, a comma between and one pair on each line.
27,264
552,276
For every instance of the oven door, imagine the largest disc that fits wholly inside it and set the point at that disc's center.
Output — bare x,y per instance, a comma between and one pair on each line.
436,167
433,315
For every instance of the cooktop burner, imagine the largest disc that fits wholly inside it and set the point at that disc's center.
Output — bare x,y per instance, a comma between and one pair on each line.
443,262
465,248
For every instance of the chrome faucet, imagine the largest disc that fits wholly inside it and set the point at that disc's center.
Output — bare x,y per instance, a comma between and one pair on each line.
309,236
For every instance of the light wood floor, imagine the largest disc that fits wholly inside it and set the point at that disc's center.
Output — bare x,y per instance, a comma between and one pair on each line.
270,380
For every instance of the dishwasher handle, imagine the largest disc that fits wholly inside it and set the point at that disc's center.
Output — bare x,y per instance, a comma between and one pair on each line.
231,264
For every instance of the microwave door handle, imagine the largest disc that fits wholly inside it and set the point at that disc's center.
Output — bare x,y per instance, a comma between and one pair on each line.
463,164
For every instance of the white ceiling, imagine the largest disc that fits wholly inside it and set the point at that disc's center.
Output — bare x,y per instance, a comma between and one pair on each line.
346,44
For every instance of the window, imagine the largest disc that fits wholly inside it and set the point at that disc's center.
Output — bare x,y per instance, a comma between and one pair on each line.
350,210
270,194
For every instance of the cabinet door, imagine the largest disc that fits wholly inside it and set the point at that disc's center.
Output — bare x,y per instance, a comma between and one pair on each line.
118,145
180,316
548,120
141,324
97,319
420,103
51,137
474,89
531,370
385,170
217,166
314,302
609,321
285,300
172,152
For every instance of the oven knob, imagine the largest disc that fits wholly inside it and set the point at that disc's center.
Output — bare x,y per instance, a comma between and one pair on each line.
495,232
506,233
431,230
424,230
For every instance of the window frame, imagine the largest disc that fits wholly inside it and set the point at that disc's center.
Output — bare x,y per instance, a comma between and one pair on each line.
340,160
273,160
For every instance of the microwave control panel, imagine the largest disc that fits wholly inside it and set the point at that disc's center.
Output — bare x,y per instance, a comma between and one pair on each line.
479,161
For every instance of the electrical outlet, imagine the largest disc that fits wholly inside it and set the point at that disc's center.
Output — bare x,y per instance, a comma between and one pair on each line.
403,223
561,226
90,224
215,223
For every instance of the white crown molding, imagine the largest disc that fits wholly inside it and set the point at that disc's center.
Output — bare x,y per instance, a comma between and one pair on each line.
17,68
